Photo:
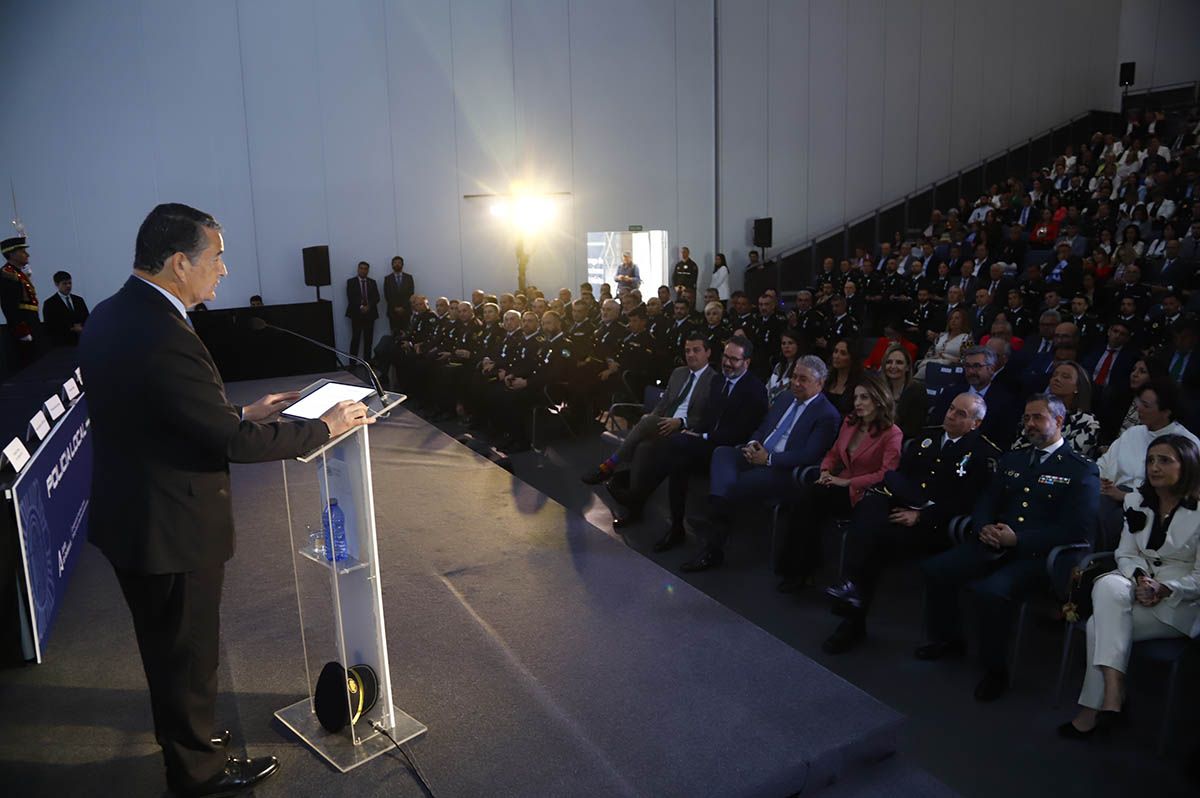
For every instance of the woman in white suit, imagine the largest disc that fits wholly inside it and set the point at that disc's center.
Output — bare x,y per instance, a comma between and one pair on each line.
1155,589
720,277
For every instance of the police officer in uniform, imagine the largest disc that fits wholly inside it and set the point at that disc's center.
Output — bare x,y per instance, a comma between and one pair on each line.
939,477
810,322
1041,497
520,360
769,327
19,301
581,332
463,348
523,393
686,271
632,367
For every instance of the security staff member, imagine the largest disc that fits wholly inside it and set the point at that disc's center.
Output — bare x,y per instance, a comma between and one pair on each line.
1042,496
163,437
939,477
19,301
686,271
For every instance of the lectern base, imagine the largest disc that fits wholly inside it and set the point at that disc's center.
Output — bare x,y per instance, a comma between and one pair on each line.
339,749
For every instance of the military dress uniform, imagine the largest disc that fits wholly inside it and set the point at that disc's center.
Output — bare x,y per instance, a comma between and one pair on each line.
844,328
450,377
812,324
676,336
939,477
716,338
1047,504
636,365
581,335
19,301
768,330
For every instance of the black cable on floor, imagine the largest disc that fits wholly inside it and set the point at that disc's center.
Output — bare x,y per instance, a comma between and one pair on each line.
408,758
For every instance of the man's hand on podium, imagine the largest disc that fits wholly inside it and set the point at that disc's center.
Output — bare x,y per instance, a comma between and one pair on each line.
345,416
269,405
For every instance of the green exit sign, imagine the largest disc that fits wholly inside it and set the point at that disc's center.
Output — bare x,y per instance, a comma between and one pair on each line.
635,228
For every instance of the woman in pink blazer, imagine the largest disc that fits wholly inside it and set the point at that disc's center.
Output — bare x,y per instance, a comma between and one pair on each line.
867,446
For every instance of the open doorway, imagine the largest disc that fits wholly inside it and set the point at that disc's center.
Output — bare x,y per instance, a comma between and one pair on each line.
649,250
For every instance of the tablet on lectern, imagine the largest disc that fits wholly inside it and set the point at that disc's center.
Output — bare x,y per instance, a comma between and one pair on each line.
316,403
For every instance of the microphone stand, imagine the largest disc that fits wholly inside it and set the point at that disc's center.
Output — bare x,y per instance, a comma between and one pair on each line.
260,324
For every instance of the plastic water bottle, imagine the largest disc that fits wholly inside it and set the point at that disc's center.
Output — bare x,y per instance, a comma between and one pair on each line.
335,538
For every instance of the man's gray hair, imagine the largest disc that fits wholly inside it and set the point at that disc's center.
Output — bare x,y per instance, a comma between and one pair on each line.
978,405
987,354
512,313
816,365
1055,405
1050,314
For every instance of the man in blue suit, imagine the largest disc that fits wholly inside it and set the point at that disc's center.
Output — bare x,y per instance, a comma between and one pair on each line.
736,406
797,432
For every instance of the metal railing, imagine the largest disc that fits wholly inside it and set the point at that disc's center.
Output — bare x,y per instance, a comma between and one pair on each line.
793,267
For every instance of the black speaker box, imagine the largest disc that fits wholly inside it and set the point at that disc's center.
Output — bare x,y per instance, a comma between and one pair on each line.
762,233
316,265
1127,72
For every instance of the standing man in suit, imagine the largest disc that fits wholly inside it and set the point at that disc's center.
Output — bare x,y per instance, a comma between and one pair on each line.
798,430
1041,497
164,435
362,308
398,289
64,313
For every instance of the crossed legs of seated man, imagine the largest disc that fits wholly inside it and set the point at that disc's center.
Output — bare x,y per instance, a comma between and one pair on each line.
735,481
998,582
1119,619
878,534
648,427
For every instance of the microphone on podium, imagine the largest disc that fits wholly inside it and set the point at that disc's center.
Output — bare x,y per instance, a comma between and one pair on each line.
256,325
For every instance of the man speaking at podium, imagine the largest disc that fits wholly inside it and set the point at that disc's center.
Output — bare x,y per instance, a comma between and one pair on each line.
163,436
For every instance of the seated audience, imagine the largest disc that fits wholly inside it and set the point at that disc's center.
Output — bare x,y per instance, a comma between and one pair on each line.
1155,591
912,402
979,378
949,344
867,446
1040,498
891,337
780,380
1070,383
844,374
798,429
937,479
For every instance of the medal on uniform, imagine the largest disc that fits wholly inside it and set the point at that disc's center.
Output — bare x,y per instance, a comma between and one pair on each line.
962,465
925,444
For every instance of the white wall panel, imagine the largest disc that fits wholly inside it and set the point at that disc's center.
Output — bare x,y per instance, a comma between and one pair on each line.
937,47
1026,72
695,131
422,118
787,180
1177,52
996,87
865,67
827,109
744,102
902,35
286,141
966,99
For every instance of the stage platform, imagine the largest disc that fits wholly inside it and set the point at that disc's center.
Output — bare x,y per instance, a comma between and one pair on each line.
545,657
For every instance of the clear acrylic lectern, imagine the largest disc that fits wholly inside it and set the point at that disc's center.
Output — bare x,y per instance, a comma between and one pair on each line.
338,592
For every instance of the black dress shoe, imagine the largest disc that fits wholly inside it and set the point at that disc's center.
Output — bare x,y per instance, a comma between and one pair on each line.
1067,731
595,477
941,650
675,536
708,559
849,634
221,740
847,601
993,685
238,776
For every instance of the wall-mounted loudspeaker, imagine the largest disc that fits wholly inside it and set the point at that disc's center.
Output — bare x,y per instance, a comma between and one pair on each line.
762,233
316,265
1127,72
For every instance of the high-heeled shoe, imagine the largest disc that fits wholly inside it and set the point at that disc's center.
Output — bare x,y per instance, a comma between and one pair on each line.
1106,721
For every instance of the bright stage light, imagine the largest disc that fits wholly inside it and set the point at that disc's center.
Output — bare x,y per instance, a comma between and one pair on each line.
527,213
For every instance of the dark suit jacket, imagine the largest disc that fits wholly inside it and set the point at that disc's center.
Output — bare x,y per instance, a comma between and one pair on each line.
58,319
731,421
396,293
811,436
1118,373
354,299
164,435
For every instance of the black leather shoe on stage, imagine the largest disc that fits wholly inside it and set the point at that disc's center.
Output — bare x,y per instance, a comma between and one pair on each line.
675,535
993,685
595,477
849,634
238,776
707,560
847,601
950,648
221,740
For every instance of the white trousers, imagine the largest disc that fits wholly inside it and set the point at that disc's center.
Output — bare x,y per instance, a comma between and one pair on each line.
1117,622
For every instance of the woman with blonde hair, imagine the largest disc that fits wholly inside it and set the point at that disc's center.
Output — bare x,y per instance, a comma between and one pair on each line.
912,402
948,347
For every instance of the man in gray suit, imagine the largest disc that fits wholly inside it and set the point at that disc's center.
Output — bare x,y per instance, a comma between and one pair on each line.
681,406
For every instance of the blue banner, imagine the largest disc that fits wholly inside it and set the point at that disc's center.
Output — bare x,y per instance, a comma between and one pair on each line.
51,498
